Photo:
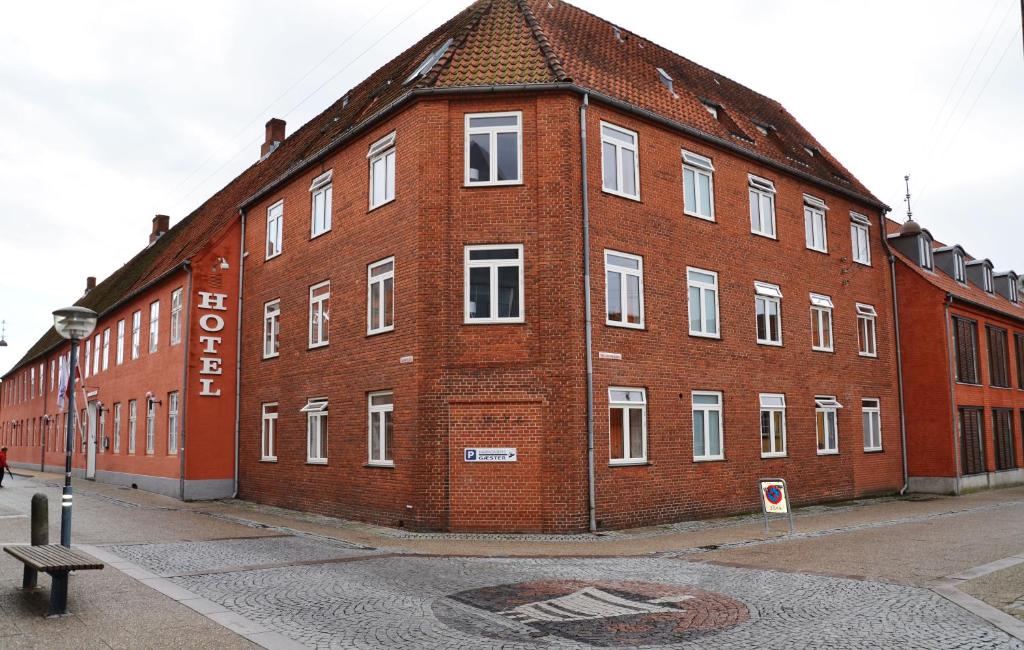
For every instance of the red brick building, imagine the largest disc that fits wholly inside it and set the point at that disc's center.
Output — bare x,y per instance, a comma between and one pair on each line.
963,358
541,274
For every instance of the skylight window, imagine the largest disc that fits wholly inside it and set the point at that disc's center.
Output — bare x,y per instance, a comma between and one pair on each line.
429,62
761,129
666,80
711,108
810,152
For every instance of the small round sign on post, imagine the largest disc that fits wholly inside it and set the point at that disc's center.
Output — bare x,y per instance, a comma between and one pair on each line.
774,494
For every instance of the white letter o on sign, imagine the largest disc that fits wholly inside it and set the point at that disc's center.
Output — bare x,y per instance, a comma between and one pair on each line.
204,322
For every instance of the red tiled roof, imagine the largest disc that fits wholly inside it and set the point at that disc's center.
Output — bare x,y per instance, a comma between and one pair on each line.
500,43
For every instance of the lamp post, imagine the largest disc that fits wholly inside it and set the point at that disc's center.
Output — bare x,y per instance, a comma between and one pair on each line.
74,324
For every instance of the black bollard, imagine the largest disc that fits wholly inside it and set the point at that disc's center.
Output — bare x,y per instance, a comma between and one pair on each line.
40,535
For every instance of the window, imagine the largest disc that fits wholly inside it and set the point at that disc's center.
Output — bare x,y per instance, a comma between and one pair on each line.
381,406
620,169
859,238
132,417
494,284
268,435
998,357
773,424
698,189
826,409
175,317
965,337
494,148
762,206
382,171
925,256
711,108
154,325
117,428
702,288
320,198
821,323
150,425
172,423
624,289
380,296
53,364
627,428
1012,279
271,328
1018,339
1002,436
96,342
106,352
319,314
316,430
86,366
120,342
959,268
768,307
275,222
707,425
867,341
32,380
871,413
814,224
972,449
136,334
986,277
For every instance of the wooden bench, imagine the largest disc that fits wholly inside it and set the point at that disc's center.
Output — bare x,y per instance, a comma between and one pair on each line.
57,561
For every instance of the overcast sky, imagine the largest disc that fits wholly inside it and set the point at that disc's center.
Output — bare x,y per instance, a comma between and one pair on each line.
113,111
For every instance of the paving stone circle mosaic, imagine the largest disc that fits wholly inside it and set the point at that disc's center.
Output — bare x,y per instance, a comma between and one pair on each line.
601,613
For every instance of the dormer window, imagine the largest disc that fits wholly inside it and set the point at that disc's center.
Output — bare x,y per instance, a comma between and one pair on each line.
988,283
1014,296
666,79
924,252
959,268
711,108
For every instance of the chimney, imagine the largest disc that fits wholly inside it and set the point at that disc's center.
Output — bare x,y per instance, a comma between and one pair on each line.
275,135
161,224
90,283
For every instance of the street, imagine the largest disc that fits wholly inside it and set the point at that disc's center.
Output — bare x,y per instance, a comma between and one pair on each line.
876,573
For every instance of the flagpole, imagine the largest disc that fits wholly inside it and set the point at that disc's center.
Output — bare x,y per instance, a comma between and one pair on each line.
69,435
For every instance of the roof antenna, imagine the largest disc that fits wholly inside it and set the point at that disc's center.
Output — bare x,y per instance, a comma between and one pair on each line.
910,215
3,332
910,227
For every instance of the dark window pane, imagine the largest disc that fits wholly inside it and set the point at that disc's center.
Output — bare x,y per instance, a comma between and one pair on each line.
389,302
610,167
498,120
615,434
508,291
388,429
479,158
633,299
636,433
479,293
615,297
508,156
494,254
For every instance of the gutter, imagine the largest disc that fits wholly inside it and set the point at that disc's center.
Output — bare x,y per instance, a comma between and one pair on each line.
591,498
183,407
238,351
555,86
899,353
952,393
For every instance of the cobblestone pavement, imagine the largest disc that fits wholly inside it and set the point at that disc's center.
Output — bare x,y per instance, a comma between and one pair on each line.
452,602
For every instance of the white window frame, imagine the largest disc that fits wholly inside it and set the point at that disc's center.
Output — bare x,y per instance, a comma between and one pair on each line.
176,304
154,326
492,132
384,150
925,254
708,409
959,268
860,238
86,367
120,341
619,146
765,401
867,323
150,426
275,225
268,432
52,366
133,419
821,322
704,288
873,414
320,188
761,190
117,427
988,281
699,166
624,271
814,211
97,341
375,284
827,404
322,330
316,410
493,265
106,352
380,412
173,422
626,405
271,327
769,294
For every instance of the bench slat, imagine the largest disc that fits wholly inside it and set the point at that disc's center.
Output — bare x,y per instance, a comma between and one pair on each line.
53,557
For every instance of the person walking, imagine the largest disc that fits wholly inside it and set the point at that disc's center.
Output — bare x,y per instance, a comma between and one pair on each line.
3,466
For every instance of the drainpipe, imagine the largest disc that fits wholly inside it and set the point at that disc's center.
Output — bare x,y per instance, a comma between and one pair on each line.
952,393
591,499
238,349
183,406
899,354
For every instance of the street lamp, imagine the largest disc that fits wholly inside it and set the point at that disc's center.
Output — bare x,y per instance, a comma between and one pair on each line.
74,324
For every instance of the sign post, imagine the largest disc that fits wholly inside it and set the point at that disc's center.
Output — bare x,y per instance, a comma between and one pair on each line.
774,494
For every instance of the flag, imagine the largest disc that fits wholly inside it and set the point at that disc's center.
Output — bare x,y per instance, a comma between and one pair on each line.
62,383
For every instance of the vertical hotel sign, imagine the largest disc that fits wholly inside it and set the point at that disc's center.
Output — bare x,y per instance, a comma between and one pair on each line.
211,322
